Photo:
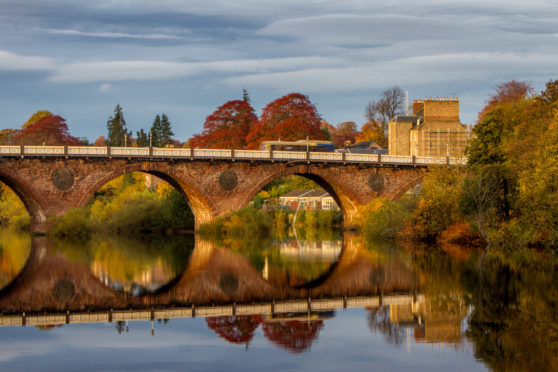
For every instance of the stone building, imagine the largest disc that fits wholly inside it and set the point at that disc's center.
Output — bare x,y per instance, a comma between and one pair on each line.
433,129
308,199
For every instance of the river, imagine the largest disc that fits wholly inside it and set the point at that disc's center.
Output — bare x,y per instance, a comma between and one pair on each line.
307,301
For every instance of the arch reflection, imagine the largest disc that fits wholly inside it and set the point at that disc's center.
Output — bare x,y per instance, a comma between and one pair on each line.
15,248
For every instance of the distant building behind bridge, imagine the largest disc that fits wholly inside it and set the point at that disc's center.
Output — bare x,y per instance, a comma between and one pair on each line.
308,199
433,129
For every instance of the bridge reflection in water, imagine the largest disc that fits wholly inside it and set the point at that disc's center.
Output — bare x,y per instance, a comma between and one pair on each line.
221,285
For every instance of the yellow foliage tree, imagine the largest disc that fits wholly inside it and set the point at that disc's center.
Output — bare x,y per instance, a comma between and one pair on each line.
36,117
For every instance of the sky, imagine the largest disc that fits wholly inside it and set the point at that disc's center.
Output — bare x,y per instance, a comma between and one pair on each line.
79,59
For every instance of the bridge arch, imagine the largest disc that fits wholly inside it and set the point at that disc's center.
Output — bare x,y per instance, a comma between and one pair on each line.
322,176
37,215
202,208
408,186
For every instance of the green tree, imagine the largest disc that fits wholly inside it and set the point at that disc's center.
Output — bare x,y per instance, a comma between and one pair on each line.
142,139
161,131
118,135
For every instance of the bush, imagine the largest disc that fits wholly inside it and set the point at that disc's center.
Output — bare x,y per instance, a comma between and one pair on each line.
386,221
73,224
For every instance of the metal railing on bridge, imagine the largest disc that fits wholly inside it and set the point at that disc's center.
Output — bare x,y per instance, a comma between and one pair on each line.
220,154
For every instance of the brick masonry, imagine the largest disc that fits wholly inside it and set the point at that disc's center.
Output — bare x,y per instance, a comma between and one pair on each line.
51,186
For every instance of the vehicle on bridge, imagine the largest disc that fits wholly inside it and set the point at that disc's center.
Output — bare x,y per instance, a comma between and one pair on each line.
300,145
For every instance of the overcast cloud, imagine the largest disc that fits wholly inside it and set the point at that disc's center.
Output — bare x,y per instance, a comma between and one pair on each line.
79,59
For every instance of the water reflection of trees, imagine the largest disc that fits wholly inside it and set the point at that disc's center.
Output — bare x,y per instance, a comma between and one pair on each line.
508,302
379,321
237,329
295,336
137,266
15,248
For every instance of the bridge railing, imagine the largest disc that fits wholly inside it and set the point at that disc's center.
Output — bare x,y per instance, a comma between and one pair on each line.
252,154
397,159
332,156
129,151
10,150
43,150
87,150
361,157
289,155
430,160
212,153
156,152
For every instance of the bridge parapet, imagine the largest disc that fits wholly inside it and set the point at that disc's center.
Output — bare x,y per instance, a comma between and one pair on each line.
187,153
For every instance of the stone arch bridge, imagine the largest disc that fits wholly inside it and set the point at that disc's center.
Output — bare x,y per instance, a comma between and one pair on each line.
52,179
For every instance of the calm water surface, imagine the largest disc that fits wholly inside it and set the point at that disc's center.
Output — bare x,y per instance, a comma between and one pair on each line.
315,301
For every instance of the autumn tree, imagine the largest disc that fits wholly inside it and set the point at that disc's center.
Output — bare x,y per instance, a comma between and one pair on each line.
100,141
509,92
372,131
118,135
8,136
290,118
227,127
50,130
36,117
343,133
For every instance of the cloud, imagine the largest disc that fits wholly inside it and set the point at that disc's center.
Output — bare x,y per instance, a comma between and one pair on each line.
112,35
15,62
104,87
420,70
160,70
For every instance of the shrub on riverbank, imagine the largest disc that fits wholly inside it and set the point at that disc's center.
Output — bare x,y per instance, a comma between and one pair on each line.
383,219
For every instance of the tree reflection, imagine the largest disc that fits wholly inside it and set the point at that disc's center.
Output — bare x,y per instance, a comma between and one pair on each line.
237,329
379,321
295,336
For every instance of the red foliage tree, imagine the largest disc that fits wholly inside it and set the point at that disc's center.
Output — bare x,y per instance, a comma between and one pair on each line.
50,130
343,132
291,117
237,329
509,92
227,127
294,335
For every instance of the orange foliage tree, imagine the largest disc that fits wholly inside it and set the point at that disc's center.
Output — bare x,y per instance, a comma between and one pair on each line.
291,117
49,130
227,127
372,131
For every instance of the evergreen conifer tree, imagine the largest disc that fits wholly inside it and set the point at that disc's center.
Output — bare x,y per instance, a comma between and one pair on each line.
156,131
161,131
165,137
117,131
142,139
